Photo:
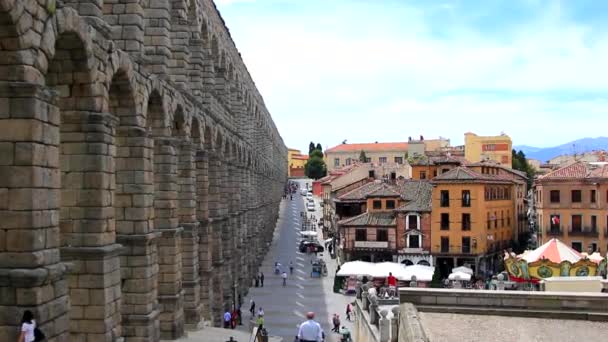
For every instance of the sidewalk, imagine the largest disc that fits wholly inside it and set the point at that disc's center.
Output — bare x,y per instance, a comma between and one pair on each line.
210,334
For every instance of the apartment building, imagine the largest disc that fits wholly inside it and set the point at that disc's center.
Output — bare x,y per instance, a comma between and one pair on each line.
572,205
376,153
471,219
497,148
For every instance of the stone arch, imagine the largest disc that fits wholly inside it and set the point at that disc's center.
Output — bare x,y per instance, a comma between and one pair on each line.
205,35
179,127
157,37
156,115
197,133
86,218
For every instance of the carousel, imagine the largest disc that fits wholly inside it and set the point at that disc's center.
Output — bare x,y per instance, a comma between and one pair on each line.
553,259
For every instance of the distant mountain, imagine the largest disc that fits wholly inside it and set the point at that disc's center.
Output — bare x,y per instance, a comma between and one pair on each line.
576,146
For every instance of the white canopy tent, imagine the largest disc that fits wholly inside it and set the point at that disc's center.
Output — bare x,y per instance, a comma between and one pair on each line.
462,269
422,273
382,270
459,276
308,233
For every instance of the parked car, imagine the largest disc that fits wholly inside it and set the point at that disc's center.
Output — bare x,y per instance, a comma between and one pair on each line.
303,192
310,206
304,244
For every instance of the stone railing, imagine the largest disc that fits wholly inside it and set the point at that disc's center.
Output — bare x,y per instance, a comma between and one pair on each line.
373,321
562,305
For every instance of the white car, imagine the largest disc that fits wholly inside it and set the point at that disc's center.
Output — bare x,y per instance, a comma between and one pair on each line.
310,206
309,196
303,192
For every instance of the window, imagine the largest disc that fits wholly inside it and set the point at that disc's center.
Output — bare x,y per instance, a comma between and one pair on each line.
390,204
377,204
393,175
466,198
372,174
466,221
489,221
398,160
336,161
445,221
445,244
347,161
445,198
412,222
434,173
414,241
444,170
577,246
382,160
576,196
592,196
495,220
554,223
577,223
381,235
554,194
361,235
593,223
466,245
368,160
422,174
593,248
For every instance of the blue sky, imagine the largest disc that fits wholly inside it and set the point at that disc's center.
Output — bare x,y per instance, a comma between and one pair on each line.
383,70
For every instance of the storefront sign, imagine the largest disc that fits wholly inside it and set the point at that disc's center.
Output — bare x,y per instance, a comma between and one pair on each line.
371,244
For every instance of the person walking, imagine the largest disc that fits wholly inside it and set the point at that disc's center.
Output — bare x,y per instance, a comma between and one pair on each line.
261,312
349,310
28,326
284,276
336,322
291,267
257,280
262,279
310,330
252,308
239,315
260,321
227,319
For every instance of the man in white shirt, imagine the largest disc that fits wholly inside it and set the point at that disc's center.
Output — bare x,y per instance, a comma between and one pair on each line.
310,331
284,276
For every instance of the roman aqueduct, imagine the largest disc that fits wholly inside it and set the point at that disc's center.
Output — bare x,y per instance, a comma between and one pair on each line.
140,171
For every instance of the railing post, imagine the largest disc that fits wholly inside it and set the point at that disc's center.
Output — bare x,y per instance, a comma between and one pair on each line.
395,324
384,326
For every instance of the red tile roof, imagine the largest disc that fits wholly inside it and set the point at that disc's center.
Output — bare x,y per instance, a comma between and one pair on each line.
300,156
466,175
394,146
577,170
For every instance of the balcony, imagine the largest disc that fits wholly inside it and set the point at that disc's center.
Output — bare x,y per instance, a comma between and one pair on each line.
586,231
555,231
456,250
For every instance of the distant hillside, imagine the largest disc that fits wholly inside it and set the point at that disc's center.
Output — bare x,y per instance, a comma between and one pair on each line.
576,146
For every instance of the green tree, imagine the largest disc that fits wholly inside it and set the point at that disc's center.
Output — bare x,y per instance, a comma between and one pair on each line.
362,156
311,147
316,153
319,147
436,280
315,167
520,163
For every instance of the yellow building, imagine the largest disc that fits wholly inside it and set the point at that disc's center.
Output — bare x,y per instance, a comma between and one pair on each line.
376,153
471,221
296,161
479,148
572,206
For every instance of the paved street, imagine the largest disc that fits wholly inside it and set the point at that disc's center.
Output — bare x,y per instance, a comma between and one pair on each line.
285,307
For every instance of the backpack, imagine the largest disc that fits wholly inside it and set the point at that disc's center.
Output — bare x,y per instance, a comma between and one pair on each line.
38,335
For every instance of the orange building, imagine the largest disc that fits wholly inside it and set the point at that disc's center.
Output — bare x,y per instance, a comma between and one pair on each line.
572,205
497,148
471,221
296,161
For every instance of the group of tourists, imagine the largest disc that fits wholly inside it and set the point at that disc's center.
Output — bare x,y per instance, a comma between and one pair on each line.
233,318
259,279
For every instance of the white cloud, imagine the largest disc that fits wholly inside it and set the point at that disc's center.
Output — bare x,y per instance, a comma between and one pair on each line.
338,78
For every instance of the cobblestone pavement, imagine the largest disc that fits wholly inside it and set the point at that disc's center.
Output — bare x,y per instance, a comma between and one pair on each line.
285,307
441,327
